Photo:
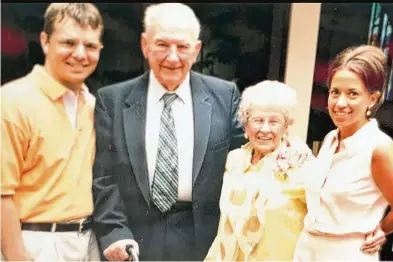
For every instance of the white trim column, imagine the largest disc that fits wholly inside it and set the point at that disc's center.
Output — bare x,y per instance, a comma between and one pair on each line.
300,63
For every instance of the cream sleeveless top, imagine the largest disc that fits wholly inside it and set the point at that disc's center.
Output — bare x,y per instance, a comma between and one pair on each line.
343,199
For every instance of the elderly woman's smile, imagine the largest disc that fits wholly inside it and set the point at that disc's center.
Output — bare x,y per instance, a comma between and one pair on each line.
266,112
265,129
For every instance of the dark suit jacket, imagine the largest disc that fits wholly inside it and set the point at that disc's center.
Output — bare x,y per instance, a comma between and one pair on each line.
121,185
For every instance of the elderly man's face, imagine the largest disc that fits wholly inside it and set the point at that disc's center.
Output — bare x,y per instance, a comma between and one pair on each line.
265,128
170,53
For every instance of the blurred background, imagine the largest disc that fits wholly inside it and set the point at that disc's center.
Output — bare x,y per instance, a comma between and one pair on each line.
244,43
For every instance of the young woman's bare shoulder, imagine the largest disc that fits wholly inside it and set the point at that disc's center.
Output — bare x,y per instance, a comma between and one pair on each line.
384,148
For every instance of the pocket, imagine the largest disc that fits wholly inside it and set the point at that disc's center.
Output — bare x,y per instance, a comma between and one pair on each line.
36,248
70,246
93,249
220,145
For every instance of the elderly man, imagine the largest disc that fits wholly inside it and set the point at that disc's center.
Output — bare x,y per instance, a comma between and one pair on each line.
48,142
162,143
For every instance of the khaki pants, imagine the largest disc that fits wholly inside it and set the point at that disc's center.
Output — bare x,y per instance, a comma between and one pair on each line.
61,246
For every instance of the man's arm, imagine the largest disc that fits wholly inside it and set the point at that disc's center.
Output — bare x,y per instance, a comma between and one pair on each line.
237,136
13,147
110,220
11,234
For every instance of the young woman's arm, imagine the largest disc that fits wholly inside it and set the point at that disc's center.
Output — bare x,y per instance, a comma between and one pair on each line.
382,172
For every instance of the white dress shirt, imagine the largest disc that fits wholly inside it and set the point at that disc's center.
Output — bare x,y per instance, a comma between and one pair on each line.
182,111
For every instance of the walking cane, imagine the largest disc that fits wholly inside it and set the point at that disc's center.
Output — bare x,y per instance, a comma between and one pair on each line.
132,253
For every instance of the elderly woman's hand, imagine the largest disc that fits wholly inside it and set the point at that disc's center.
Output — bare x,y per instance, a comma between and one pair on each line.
299,151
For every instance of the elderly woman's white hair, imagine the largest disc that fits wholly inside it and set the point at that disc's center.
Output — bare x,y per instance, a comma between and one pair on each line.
270,95
174,16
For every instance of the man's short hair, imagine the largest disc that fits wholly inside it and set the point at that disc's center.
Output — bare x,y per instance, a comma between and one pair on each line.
84,14
175,15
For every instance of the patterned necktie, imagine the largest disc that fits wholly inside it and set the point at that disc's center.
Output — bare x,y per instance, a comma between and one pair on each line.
164,189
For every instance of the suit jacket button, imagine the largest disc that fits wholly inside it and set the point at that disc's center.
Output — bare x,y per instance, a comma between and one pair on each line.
147,213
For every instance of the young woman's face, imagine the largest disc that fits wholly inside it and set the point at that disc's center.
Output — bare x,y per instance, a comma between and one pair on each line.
349,100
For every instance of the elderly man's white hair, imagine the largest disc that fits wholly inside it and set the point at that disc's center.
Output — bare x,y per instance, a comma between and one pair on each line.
270,95
174,16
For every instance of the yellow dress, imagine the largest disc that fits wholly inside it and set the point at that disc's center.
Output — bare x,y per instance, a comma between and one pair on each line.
261,214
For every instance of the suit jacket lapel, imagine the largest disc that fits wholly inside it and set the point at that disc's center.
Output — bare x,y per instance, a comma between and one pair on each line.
202,120
134,115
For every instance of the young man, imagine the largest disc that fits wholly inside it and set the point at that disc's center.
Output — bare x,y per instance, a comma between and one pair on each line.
48,143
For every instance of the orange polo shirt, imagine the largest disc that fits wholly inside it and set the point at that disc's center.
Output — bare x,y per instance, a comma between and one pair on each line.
46,163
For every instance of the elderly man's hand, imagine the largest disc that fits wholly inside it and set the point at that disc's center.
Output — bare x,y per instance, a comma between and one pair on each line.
299,151
117,251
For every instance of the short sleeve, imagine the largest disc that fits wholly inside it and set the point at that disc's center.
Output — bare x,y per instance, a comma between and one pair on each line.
13,148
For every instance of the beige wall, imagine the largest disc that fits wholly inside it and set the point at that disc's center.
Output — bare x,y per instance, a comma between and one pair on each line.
300,63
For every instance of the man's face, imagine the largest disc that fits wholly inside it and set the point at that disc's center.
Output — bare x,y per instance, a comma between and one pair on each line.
170,53
71,52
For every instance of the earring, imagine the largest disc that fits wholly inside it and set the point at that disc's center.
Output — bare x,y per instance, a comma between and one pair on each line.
245,135
368,112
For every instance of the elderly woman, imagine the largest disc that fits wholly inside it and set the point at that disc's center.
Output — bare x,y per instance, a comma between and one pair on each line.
263,195
355,166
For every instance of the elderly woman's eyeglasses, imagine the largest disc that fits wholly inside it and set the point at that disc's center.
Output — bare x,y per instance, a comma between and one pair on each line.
273,123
